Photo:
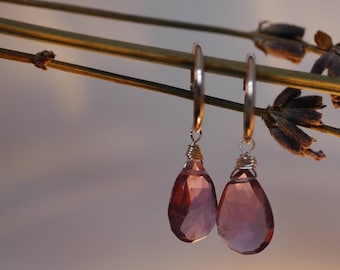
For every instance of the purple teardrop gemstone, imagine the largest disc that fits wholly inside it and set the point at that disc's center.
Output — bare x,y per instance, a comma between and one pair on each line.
193,205
245,219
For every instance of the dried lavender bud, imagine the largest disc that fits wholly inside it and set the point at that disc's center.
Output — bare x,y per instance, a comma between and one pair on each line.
312,102
282,30
41,59
335,101
299,110
314,155
293,132
302,116
334,65
322,63
323,40
331,61
297,145
289,110
286,95
288,143
293,51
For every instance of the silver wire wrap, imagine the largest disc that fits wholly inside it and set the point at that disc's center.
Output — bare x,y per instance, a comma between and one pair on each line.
246,161
194,152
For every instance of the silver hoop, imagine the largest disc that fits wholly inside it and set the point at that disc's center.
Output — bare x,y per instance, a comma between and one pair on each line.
249,99
197,86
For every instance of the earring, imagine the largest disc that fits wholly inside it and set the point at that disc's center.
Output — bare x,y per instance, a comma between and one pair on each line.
244,218
193,204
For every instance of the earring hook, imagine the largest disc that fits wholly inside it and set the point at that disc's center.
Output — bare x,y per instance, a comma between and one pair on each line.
249,99
197,86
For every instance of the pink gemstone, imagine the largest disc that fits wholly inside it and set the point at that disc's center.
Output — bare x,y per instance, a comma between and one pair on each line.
193,205
244,218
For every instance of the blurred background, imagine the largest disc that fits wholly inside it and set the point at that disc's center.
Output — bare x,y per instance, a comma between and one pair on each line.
87,166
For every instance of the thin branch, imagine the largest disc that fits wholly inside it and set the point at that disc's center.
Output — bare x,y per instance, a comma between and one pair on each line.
154,86
122,79
296,79
252,35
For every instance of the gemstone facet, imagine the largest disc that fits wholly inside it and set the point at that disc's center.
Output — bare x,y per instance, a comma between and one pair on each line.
193,205
244,219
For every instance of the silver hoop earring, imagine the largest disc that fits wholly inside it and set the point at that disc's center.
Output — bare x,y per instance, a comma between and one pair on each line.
244,218
193,204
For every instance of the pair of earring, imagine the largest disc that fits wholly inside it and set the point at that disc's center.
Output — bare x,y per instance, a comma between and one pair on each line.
243,215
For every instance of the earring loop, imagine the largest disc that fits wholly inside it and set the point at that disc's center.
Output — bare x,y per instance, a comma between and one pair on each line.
249,99
197,86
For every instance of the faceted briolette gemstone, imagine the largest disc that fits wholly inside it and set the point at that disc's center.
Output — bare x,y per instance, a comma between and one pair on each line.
193,205
244,219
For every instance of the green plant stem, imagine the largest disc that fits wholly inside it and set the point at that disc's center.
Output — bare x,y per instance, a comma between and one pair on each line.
296,79
252,35
154,86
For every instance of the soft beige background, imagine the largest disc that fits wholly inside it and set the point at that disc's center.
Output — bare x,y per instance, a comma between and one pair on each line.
87,166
